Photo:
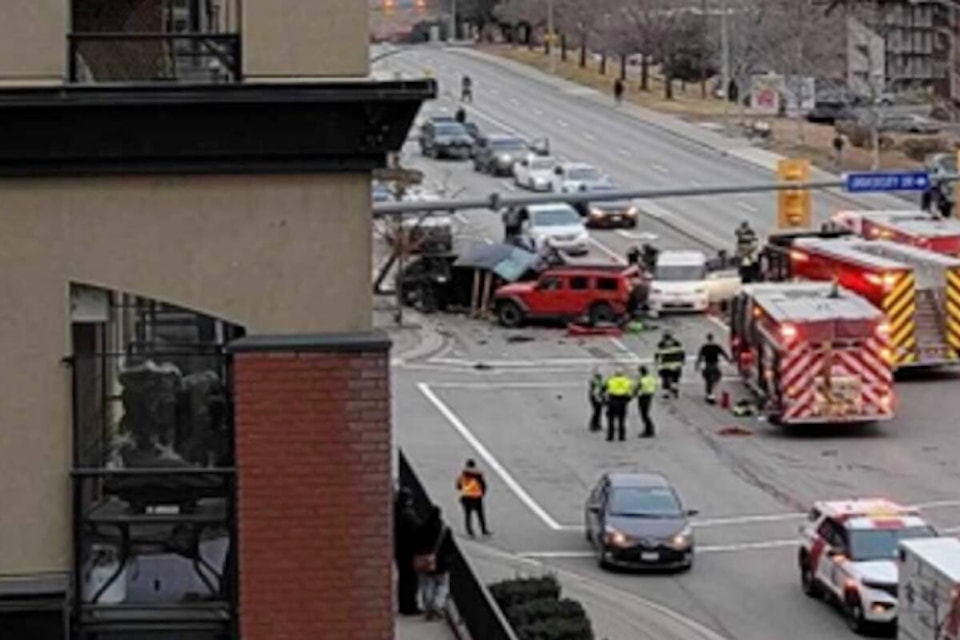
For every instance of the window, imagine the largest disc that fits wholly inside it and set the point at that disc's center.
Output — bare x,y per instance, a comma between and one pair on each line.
814,515
644,501
881,544
579,283
832,534
551,284
607,284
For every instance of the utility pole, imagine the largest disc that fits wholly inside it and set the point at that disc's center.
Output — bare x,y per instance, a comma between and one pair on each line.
725,63
453,20
553,64
703,57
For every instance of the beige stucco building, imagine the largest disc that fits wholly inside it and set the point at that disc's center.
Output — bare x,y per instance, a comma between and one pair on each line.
238,188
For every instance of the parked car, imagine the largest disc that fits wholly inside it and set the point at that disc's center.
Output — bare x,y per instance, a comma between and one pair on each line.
557,225
570,177
598,293
445,138
829,112
497,152
637,520
909,123
534,172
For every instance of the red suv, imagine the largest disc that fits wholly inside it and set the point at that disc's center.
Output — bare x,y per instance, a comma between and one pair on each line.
601,294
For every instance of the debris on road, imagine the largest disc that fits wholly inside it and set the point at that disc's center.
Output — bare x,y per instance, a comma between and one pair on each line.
734,431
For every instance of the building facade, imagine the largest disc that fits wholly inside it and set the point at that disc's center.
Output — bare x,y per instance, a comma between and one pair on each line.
179,182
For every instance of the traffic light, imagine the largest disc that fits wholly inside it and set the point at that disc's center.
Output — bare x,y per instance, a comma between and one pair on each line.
794,206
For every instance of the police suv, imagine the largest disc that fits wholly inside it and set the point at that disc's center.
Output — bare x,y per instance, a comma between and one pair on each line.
848,554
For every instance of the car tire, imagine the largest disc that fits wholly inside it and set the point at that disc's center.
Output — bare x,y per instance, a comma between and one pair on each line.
602,313
853,614
632,224
509,314
808,582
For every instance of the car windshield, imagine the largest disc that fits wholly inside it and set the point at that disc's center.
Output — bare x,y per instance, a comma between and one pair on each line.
449,129
554,218
680,273
946,163
541,165
584,174
881,544
509,144
651,502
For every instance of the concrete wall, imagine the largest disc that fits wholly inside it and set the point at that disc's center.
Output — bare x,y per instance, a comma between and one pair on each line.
33,40
305,38
276,254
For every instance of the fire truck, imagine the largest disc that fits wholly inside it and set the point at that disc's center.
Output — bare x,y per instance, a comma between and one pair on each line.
812,353
917,228
918,289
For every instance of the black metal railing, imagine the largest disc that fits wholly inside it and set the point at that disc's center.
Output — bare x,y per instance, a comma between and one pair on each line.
155,57
476,607
154,495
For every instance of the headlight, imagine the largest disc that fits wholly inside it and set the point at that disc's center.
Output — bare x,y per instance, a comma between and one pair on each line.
617,538
503,158
596,213
631,212
683,539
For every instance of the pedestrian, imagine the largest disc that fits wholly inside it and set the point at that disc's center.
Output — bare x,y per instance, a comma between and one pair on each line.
512,225
709,360
747,239
618,91
669,359
646,390
433,560
596,400
466,89
633,256
460,116
406,528
473,489
838,144
618,392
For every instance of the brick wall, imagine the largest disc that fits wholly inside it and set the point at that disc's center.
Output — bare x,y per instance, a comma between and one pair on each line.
313,457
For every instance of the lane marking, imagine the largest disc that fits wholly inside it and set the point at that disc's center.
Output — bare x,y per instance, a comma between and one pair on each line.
659,168
563,123
624,152
537,112
514,101
695,183
720,324
704,548
746,206
521,384
488,457
618,343
544,362
607,250
636,235
589,136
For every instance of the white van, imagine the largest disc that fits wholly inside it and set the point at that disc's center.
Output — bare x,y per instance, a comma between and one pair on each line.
678,283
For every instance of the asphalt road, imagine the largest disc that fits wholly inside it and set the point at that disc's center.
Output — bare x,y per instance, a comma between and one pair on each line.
516,401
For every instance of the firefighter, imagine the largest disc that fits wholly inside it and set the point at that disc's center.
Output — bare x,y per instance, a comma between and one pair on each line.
473,489
709,360
618,391
747,239
466,89
596,396
646,390
669,359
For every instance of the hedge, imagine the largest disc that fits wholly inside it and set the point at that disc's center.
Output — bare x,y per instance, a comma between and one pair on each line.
535,611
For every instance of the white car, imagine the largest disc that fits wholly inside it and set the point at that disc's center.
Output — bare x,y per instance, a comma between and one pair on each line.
534,172
679,282
848,554
571,177
556,225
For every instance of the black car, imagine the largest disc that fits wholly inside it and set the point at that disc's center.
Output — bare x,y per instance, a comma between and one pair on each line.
637,520
445,138
496,153
608,214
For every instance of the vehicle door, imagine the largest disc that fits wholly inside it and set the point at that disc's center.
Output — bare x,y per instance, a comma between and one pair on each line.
558,179
830,549
547,296
579,293
522,170
480,150
596,505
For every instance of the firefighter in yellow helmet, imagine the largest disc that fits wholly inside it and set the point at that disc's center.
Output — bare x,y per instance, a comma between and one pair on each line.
472,488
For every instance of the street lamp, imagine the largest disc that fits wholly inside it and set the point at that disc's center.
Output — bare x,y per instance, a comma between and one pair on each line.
553,64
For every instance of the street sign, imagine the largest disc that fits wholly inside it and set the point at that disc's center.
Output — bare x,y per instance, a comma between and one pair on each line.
888,181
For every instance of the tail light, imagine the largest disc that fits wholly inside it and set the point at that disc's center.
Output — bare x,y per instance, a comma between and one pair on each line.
788,332
798,256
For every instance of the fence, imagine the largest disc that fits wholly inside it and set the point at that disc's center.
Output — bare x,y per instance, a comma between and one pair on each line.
480,613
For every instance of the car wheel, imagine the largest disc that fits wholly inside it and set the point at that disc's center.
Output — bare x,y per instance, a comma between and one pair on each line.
854,615
632,224
807,580
602,313
509,314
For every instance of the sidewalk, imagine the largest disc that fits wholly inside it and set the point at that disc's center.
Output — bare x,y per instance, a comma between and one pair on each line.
417,628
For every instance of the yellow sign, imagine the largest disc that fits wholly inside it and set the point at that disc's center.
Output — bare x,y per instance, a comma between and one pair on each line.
794,206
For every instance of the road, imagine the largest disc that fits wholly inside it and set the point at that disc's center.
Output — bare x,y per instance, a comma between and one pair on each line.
516,401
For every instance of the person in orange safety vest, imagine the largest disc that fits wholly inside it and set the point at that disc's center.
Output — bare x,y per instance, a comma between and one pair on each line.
472,488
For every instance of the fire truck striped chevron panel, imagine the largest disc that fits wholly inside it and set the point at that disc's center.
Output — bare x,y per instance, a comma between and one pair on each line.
900,306
953,310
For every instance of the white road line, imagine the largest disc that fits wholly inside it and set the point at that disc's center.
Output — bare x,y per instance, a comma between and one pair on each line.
694,183
563,123
607,250
488,457
589,136
705,548
514,101
624,152
618,343
519,384
460,217
746,206
494,90
537,112
634,235
509,186
659,168
544,362
720,324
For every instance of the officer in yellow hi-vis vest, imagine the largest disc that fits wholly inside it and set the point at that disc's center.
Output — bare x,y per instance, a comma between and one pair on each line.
618,391
646,390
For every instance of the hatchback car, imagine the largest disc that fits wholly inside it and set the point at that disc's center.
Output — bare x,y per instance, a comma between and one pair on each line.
637,520
496,153
443,138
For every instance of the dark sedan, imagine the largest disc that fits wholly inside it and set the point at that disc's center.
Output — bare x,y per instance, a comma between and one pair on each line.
445,139
609,214
496,153
637,520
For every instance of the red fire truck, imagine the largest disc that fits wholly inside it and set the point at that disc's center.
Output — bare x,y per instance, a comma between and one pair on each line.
918,289
917,228
812,353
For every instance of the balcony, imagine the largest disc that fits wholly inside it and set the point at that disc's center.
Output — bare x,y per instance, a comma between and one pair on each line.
194,41
154,506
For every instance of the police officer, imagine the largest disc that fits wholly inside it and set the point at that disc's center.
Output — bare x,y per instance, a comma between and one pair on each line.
669,359
746,239
709,359
472,488
596,394
646,389
618,391
512,225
